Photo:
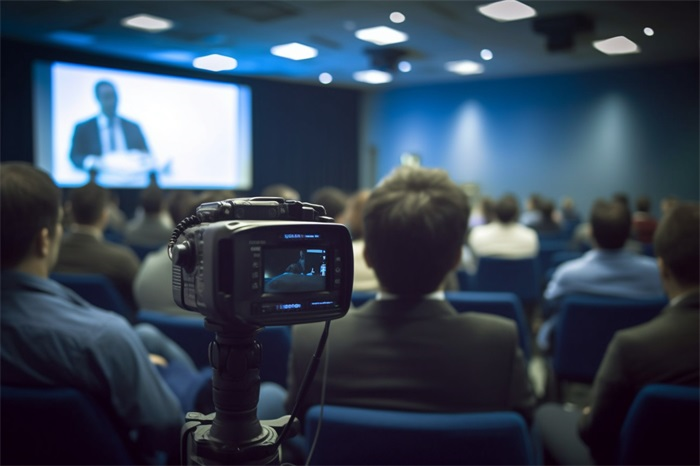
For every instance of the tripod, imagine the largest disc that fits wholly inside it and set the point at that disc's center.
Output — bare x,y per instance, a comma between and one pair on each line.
233,434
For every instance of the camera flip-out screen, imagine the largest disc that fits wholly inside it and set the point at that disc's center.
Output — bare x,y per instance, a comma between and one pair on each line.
294,270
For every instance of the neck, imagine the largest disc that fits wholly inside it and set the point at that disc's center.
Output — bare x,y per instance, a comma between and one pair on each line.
37,268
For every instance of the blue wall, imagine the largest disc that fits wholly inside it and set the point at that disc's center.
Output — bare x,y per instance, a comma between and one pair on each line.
583,135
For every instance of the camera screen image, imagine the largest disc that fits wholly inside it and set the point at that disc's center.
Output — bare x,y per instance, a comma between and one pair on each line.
294,270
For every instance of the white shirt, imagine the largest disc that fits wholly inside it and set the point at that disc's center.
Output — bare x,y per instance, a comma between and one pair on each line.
508,241
119,138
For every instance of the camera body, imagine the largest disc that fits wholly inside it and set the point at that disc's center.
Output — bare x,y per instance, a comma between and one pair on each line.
260,266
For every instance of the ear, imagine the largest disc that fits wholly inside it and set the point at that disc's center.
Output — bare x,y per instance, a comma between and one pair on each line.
42,243
663,269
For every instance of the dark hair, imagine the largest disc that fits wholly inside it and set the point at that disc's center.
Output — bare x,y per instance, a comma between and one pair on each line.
506,209
610,224
152,200
677,242
643,204
415,222
547,208
88,203
101,83
30,202
332,198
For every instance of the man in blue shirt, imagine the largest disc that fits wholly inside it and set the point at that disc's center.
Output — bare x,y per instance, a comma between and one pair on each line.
608,269
52,337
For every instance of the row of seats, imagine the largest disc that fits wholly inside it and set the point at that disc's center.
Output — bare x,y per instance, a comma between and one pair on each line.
64,426
584,329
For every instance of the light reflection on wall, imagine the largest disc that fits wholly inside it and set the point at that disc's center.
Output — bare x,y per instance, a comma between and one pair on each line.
467,146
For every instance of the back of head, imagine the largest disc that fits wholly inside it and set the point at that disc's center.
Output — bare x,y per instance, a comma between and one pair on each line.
506,209
643,204
30,202
88,204
415,222
547,208
677,242
331,198
281,190
152,200
610,224
352,216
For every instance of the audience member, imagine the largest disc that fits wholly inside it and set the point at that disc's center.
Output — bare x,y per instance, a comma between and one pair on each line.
84,250
364,277
504,237
409,349
52,337
643,223
664,350
609,269
568,214
532,213
546,223
331,198
281,190
151,226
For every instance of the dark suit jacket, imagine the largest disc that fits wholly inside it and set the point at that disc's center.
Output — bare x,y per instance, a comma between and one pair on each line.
415,356
84,253
664,350
86,139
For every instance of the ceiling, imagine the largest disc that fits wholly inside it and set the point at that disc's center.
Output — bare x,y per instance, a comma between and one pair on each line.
439,31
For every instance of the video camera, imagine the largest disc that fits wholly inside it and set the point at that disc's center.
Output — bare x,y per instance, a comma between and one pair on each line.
263,261
246,263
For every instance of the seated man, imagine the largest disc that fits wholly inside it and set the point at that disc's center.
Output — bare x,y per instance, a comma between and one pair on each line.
609,269
85,250
52,337
409,349
664,350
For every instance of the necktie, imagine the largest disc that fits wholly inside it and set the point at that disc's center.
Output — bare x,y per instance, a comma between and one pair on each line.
112,140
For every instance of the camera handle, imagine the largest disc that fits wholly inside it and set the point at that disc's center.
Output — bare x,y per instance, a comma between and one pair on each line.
233,434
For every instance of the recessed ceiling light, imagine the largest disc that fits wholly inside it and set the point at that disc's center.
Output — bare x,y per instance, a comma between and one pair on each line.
215,62
464,67
381,35
619,45
486,54
507,10
294,51
372,76
147,23
325,78
404,66
397,17
649,31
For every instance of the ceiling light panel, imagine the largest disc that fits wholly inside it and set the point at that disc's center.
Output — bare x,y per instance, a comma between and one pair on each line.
147,23
294,51
507,10
464,67
372,77
381,35
619,45
215,62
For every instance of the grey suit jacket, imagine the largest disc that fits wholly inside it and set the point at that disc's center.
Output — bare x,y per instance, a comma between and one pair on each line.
415,356
84,253
664,350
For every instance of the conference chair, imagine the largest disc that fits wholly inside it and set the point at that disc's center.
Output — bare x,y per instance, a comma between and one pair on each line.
498,303
143,251
519,276
59,426
361,436
360,297
584,327
662,426
190,334
547,249
96,289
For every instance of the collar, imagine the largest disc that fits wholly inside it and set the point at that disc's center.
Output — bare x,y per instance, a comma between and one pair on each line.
685,296
103,121
438,295
87,230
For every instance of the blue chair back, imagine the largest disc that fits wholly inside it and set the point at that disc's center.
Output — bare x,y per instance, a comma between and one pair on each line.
96,289
360,297
143,251
662,426
361,436
502,304
585,326
519,276
276,342
188,332
59,426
